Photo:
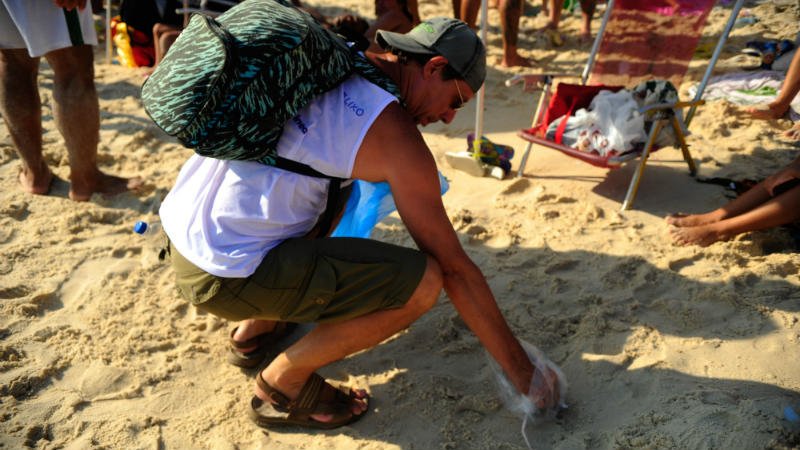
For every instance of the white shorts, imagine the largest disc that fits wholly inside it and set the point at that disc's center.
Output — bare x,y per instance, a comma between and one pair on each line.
41,26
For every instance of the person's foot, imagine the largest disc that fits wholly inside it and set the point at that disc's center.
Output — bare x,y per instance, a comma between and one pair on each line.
768,111
691,220
703,235
250,328
513,59
81,190
291,386
793,133
585,37
36,181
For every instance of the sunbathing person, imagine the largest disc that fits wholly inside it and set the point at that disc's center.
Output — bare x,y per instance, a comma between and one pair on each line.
771,203
778,107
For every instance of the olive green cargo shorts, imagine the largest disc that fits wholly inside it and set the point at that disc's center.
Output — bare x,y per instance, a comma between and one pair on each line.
309,280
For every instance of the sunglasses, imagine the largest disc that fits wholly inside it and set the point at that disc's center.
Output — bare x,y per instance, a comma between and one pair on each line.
461,102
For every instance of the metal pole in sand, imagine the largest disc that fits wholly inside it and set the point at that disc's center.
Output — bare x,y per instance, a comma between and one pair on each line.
476,144
108,31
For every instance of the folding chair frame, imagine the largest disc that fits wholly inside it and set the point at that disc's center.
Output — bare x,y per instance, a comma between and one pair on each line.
546,82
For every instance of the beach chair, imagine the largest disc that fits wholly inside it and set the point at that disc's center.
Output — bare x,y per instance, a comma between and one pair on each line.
637,40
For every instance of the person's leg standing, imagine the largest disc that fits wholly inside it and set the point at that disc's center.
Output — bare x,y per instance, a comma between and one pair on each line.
77,111
510,12
20,104
21,108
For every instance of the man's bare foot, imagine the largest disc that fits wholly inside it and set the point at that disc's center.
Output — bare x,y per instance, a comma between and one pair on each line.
585,37
513,59
101,183
692,220
793,133
36,182
768,111
703,235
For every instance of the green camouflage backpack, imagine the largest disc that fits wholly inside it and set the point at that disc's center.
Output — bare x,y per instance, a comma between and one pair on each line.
228,85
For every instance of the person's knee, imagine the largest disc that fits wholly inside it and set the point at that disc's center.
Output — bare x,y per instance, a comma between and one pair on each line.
73,69
16,66
427,292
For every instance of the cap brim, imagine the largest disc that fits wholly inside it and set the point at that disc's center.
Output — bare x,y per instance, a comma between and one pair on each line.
402,42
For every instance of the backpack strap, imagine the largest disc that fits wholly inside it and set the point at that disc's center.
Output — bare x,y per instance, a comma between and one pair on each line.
334,191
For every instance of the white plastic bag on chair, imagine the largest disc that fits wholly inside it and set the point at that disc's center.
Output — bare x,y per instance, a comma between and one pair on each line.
618,119
611,124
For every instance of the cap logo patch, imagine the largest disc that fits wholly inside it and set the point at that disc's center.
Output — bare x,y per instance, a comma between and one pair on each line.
426,27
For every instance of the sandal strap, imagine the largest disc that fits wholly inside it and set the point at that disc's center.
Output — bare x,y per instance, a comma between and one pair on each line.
281,401
309,401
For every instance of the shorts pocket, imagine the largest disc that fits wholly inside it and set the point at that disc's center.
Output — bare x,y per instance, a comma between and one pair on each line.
227,302
312,299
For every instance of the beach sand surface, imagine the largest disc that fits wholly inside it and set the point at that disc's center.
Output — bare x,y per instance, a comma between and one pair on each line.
664,347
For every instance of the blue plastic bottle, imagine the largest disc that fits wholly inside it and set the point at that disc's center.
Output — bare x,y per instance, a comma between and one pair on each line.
152,233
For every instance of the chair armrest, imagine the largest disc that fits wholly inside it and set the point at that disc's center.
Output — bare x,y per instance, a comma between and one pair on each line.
671,105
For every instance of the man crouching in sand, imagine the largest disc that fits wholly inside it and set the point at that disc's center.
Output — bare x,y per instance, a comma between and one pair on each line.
242,246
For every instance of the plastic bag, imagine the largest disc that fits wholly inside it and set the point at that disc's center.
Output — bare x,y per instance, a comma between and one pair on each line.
524,405
611,124
369,203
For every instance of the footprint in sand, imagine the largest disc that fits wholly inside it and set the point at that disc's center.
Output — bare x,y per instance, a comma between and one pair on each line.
682,263
10,358
7,293
516,186
90,274
561,266
16,210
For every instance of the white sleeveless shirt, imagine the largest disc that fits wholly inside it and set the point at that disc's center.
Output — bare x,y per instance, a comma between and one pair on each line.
224,216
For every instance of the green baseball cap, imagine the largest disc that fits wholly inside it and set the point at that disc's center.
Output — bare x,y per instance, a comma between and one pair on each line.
447,37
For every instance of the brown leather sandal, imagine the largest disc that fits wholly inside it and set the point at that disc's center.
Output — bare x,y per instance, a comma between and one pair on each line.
316,397
264,343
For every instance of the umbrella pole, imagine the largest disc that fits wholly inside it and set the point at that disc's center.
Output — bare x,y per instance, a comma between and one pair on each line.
476,145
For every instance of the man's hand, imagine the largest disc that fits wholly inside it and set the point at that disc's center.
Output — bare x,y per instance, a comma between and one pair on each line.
545,391
69,5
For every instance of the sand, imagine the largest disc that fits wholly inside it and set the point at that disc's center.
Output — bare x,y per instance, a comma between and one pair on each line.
663,346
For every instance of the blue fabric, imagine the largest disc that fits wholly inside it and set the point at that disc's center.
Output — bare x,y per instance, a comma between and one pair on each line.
369,203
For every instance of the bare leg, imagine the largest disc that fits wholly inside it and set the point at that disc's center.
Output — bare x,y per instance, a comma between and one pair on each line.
791,86
21,108
749,200
78,119
555,14
163,38
469,12
551,29
587,11
331,342
777,211
510,11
